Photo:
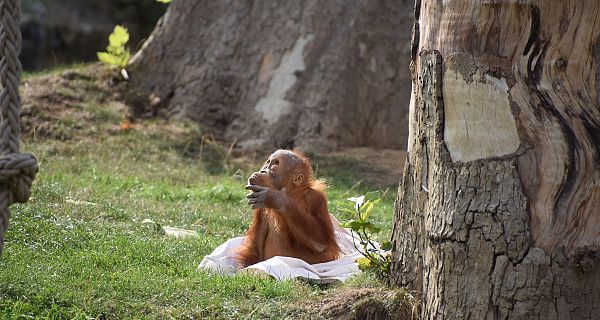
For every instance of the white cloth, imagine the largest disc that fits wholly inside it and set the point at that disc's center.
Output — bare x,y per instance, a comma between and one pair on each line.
222,260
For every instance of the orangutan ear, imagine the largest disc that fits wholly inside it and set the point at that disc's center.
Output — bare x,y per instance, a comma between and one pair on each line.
298,180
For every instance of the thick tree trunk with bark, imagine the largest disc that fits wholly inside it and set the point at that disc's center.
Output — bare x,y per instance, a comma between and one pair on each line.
497,215
312,74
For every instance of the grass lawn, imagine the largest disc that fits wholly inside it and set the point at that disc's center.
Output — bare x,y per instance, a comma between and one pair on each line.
79,248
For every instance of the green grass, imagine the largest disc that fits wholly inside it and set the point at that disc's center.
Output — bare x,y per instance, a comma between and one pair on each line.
26,75
78,249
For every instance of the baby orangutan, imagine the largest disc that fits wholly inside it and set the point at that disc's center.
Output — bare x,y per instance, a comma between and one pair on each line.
290,216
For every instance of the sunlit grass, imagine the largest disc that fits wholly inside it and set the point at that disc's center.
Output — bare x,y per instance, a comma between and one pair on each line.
26,75
79,249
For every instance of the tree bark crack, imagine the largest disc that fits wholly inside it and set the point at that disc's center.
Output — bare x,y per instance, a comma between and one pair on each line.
473,254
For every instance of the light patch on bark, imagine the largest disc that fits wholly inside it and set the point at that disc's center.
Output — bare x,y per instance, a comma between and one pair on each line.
466,242
267,66
478,121
362,49
411,122
274,104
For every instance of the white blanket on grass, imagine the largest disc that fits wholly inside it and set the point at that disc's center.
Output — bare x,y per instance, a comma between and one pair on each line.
222,260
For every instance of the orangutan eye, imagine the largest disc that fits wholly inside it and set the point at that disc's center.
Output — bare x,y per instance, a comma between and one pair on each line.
275,162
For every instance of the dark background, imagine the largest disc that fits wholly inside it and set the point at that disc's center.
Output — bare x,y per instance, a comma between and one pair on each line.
59,32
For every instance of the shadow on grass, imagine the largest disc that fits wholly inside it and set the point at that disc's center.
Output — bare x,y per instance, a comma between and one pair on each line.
345,172
194,146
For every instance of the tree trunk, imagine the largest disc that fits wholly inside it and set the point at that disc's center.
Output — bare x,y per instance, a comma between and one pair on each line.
312,74
497,212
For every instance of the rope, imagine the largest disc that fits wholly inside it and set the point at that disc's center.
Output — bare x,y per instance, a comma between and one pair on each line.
17,170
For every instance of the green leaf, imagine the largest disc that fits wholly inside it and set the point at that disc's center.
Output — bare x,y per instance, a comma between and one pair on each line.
370,227
346,224
108,58
117,55
353,224
363,263
386,246
119,37
125,59
368,208
348,211
116,50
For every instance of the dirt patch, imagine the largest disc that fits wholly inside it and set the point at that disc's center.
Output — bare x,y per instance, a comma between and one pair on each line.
363,303
84,103
69,104
87,103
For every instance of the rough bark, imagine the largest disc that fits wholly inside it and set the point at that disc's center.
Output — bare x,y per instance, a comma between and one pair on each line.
312,74
496,216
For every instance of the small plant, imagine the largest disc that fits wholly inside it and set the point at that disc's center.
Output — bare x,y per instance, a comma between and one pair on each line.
117,55
376,257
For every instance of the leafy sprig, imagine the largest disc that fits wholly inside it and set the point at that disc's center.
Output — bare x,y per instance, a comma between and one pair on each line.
376,256
116,55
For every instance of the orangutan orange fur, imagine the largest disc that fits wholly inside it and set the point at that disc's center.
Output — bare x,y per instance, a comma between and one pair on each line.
290,216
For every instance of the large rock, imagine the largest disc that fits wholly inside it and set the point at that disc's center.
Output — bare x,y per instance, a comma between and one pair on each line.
318,75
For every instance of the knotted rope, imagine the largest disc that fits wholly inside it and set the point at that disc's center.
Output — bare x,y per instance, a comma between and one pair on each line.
17,170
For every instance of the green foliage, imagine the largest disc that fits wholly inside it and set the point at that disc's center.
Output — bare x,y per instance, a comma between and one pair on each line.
79,248
116,55
376,257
